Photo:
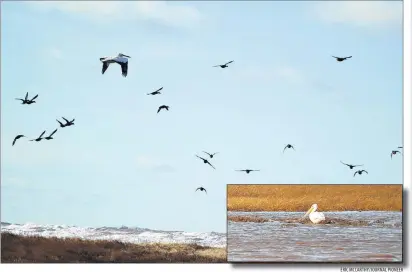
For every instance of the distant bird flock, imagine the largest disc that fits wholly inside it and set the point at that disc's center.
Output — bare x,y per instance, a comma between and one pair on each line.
123,61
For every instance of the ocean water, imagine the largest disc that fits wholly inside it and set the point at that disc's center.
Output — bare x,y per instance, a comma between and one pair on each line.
122,234
364,237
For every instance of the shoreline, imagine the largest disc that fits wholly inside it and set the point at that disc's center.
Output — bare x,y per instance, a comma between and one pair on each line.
37,249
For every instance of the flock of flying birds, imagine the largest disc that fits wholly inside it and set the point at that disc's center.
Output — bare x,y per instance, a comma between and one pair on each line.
123,61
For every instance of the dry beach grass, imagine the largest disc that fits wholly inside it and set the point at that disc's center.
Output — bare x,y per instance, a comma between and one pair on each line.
34,249
328,197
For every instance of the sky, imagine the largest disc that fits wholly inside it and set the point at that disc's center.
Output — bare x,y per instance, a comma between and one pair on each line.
123,164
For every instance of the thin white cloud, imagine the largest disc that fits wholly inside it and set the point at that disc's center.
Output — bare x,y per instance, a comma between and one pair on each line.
170,14
56,53
153,164
360,13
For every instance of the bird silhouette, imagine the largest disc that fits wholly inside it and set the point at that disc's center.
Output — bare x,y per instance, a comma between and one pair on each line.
26,100
360,172
210,155
31,101
341,59
205,161
223,65
17,137
400,147
288,146
61,124
50,136
394,152
38,139
163,107
68,123
351,166
247,170
156,92
201,189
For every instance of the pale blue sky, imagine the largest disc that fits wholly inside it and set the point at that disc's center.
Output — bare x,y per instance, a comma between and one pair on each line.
123,164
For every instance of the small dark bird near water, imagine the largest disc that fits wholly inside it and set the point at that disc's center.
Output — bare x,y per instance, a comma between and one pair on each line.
351,166
61,124
288,146
17,137
341,59
394,152
38,139
211,155
247,170
163,107
223,65
50,136
360,172
68,123
156,92
205,161
26,100
201,189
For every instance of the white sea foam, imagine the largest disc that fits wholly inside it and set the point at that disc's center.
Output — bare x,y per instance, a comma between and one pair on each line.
122,234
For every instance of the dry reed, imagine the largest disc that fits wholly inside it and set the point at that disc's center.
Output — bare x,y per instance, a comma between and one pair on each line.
301,197
35,249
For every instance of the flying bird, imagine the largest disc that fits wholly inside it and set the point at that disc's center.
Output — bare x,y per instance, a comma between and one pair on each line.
163,107
360,172
17,137
400,147
120,59
50,136
247,170
38,139
341,59
68,123
61,124
26,100
205,161
156,92
210,155
201,189
223,65
351,166
288,146
394,152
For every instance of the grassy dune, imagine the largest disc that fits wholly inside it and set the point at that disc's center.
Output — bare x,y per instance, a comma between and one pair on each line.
23,249
301,197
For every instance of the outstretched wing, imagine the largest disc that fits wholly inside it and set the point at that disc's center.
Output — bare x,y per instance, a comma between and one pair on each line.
284,149
210,164
228,62
206,153
66,120
200,157
355,173
104,67
124,68
365,171
27,95
53,132
159,89
344,163
34,97
42,134
14,141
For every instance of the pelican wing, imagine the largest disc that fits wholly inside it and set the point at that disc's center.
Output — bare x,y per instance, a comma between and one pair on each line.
104,67
124,68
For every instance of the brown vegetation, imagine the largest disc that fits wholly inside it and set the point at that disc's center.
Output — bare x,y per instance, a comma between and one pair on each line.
255,219
301,197
34,249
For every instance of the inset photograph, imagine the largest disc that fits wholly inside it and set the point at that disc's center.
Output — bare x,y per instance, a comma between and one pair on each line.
314,223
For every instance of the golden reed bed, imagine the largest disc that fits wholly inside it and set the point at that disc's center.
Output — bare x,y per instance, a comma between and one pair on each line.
328,197
34,249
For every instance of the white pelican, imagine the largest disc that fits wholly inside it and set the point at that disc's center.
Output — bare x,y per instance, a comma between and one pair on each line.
120,59
314,216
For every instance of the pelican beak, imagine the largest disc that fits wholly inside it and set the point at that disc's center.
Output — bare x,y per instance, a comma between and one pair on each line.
308,212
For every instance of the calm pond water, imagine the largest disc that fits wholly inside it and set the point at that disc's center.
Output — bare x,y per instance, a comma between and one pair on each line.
377,239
